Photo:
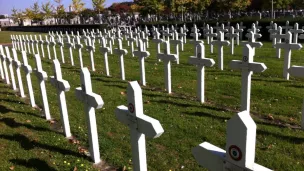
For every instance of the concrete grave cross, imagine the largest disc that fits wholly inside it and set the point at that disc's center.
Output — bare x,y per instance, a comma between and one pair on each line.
251,41
42,77
140,125
13,39
157,41
9,60
176,42
2,74
287,27
41,42
298,71
211,35
28,70
207,30
36,42
253,29
70,45
220,42
91,49
231,35
131,39
47,43
279,36
62,86
105,50
221,29
32,44
91,102
201,62
144,40
270,27
28,44
195,34
110,40
4,63
288,46
21,43
167,58
295,32
240,147
257,25
167,34
242,27
121,52
53,44
142,54
17,65
61,44
79,46
182,35
247,66
24,43
273,31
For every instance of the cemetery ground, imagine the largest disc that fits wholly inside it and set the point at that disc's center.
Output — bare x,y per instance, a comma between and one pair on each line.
28,141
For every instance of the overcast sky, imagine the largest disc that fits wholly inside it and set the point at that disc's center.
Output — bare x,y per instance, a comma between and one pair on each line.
6,6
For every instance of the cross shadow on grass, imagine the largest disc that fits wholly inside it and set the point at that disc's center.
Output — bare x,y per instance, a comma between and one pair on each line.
204,114
290,139
28,144
13,124
33,163
5,110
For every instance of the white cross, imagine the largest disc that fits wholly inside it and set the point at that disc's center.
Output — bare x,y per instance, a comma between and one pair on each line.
61,44
270,27
4,63
279,36
70,45
105,50
79,46
167,34
111,41
91,49
42,77
41,42
9,60
251,41
167,58
253,29
53,44
13,41
210,35
21,43
182,35
240,147
176,42
295,32
158,41
91,102
131,40
231,35
242,27
200,61
220,42
195,34
32,43
17,65
273,31
221,29
36,42
140,125
288,46
28,44
24,43
239,32
286,27
47,43
28,70
121,52
207,30
62,86
142,54
247,66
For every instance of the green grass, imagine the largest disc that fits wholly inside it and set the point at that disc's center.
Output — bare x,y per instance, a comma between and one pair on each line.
186,122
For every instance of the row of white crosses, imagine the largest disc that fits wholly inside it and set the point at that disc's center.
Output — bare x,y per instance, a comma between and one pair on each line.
140,124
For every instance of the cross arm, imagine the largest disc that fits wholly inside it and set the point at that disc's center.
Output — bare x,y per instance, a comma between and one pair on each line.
78,46
158,40
166,57
253,44
296,71
120,51
27,69
209,156
196,42
90,48
92,99
42,75
104,49
143,123
141,54
62,85
202,62
288,46
16,63
176,42
253,66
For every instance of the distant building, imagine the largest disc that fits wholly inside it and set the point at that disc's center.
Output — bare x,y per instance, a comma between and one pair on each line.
6,22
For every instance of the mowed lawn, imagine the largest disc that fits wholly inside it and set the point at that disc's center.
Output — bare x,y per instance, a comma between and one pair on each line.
27,141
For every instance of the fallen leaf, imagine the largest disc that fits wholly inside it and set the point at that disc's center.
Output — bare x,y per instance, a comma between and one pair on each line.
12,167
270,117
75,168
122,93
28,121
